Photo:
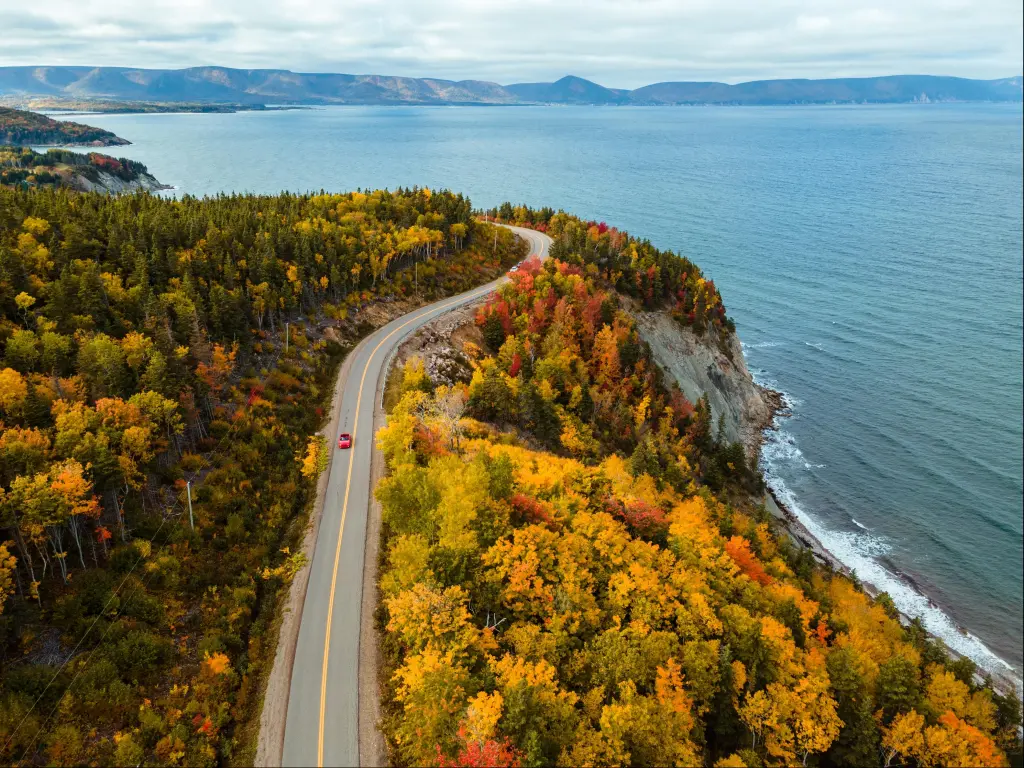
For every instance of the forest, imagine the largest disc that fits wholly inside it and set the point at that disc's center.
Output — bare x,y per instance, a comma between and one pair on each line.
23,128
576,571
25,168
145,371
633,267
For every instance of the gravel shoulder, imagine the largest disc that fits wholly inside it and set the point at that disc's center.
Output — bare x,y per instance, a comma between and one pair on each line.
270,750
372,749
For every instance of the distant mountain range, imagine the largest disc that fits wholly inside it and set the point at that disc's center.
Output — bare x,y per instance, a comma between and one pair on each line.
221,85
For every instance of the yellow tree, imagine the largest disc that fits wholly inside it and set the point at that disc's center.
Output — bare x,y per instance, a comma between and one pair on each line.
644,730
75,499
24,303
314,460
426,618
795,722
8,562
13,391
447,407
431,688
903,737
951,741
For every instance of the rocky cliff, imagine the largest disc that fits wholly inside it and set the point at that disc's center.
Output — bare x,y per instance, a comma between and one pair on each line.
701,366
108,182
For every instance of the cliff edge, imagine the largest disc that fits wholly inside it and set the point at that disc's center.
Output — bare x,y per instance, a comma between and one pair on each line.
84,172
109,183
701,367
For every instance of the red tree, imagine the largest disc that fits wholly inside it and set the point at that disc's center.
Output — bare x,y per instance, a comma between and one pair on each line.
487,754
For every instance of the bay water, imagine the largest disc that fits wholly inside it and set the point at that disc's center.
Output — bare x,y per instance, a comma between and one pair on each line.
871,257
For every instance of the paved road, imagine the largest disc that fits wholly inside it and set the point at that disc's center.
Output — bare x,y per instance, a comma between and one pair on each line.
323,703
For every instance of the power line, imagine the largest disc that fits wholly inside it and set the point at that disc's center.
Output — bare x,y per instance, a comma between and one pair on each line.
74,650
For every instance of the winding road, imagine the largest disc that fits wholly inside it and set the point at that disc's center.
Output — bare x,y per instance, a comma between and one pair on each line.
322,726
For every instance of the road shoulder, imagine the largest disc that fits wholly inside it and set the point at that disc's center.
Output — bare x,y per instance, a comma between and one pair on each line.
270,749
372,749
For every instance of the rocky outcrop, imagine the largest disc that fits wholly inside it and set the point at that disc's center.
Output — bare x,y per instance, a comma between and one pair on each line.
701,366
441,346
109,183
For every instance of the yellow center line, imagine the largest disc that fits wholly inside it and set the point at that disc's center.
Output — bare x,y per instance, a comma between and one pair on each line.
344,513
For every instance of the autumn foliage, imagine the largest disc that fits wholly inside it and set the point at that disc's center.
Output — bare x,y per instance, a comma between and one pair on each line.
144,364
567,584
634,267
739,550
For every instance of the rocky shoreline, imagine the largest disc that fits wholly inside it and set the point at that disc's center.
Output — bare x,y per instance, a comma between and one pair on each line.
116,141
802,537
111,184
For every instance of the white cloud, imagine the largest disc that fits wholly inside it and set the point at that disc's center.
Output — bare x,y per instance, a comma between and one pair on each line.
622,43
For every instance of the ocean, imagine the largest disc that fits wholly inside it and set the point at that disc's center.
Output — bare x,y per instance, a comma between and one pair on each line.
871,257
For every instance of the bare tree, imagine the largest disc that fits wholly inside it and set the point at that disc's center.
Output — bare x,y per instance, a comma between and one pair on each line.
448,407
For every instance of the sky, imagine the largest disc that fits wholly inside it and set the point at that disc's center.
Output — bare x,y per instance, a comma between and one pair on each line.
619,43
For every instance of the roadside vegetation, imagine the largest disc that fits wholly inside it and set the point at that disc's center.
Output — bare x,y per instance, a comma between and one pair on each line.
631,266
576,571
144,360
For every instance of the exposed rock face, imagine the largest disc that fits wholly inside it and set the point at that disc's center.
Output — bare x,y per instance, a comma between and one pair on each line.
112,184
700,367
440,344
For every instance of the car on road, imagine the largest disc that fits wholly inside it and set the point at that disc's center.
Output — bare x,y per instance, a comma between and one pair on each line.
345,440
514,269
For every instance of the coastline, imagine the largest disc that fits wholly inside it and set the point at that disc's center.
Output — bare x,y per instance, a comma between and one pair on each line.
1003,681
97,144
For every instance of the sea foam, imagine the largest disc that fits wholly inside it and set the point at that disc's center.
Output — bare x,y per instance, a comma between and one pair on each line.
860,551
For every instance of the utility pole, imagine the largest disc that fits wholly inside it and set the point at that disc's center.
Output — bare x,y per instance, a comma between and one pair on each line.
191,521
495,247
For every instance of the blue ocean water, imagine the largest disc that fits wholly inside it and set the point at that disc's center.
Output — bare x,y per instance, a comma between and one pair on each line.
871,257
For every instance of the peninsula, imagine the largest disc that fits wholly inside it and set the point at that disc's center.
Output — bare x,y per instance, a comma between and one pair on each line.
22,128
25,168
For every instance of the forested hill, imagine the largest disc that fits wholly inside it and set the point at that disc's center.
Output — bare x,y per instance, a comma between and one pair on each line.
577,570
276,86
25,168
21,128
574,574
143,347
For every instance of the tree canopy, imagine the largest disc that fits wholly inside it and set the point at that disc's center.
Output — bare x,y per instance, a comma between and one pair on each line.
572,576
142,361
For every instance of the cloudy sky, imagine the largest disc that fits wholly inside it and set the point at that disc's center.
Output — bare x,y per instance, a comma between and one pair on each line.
620,43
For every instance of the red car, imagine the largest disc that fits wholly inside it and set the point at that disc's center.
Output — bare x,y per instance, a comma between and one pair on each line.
345,441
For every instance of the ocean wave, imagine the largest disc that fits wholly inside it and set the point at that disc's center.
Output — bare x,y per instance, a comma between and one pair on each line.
762,345
762,379
782,448
861,552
